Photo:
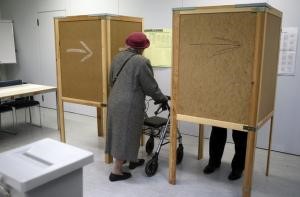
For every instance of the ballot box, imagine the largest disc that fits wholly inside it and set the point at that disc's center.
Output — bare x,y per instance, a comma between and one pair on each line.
45,168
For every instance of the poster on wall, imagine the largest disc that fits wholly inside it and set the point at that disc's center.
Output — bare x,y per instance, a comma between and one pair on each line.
160,50
288,51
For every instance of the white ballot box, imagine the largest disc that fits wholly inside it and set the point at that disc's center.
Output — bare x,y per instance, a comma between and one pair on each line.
46,168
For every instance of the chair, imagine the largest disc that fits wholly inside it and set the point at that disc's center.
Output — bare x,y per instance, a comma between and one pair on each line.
5,108
25,102
10,83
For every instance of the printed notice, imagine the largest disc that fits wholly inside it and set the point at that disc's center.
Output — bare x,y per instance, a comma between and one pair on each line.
160,50
288,51
287,62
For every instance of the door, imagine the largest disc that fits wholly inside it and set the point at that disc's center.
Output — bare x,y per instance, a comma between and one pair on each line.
47,57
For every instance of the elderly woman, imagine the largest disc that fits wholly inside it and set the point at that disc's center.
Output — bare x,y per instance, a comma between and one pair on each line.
131,79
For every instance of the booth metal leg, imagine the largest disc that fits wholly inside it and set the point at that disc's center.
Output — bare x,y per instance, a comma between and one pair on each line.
269,147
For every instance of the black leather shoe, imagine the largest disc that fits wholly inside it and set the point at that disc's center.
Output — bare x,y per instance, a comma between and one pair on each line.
117,177
133,165
210,169
234,175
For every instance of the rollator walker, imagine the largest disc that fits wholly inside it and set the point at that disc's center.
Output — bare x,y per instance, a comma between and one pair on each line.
159,127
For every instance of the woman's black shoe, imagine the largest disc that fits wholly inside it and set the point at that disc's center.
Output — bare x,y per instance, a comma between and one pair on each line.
234,175
133,165
117,177
210,169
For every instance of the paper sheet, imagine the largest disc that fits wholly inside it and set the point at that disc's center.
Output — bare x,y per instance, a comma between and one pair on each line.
288,51
160,50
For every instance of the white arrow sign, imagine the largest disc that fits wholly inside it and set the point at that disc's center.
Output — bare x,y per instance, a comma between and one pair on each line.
86,50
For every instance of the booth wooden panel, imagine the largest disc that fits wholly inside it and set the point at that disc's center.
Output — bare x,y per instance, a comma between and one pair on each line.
215,66
119,31
269,68
85,46
224,72
219,74
81,74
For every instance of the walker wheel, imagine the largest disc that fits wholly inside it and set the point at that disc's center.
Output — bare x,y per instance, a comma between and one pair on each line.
151,166
150,145
179,154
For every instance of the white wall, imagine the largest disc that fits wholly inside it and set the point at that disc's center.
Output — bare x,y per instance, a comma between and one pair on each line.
287,107
2,74
157,14
2,68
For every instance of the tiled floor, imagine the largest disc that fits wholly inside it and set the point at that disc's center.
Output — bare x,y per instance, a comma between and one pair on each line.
284,179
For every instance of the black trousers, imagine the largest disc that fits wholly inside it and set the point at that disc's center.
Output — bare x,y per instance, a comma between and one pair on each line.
217,142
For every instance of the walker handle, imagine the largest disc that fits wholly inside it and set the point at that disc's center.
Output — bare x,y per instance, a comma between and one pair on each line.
162,107
157,102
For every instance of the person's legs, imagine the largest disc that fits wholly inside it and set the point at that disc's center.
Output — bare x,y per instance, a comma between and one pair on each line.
117,173
137,162
134,164
238,161
216,148
117,167
216,145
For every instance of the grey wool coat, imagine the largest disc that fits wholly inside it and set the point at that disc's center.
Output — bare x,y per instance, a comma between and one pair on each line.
126,103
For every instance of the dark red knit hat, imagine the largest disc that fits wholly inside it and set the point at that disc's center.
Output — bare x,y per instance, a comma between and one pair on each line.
137,40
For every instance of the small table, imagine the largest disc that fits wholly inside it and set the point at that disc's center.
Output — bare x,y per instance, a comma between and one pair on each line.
27,90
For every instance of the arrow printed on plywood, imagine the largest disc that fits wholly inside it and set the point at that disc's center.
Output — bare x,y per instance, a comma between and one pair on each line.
226,45
86,50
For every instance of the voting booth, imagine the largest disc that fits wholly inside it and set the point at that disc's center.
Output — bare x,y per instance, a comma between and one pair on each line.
224,71
45,168
85,46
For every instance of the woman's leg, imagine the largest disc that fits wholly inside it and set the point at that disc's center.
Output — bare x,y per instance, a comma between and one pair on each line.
117,167
117,174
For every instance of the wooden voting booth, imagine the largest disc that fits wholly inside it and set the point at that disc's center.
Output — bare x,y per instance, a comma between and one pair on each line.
85,46
224,71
